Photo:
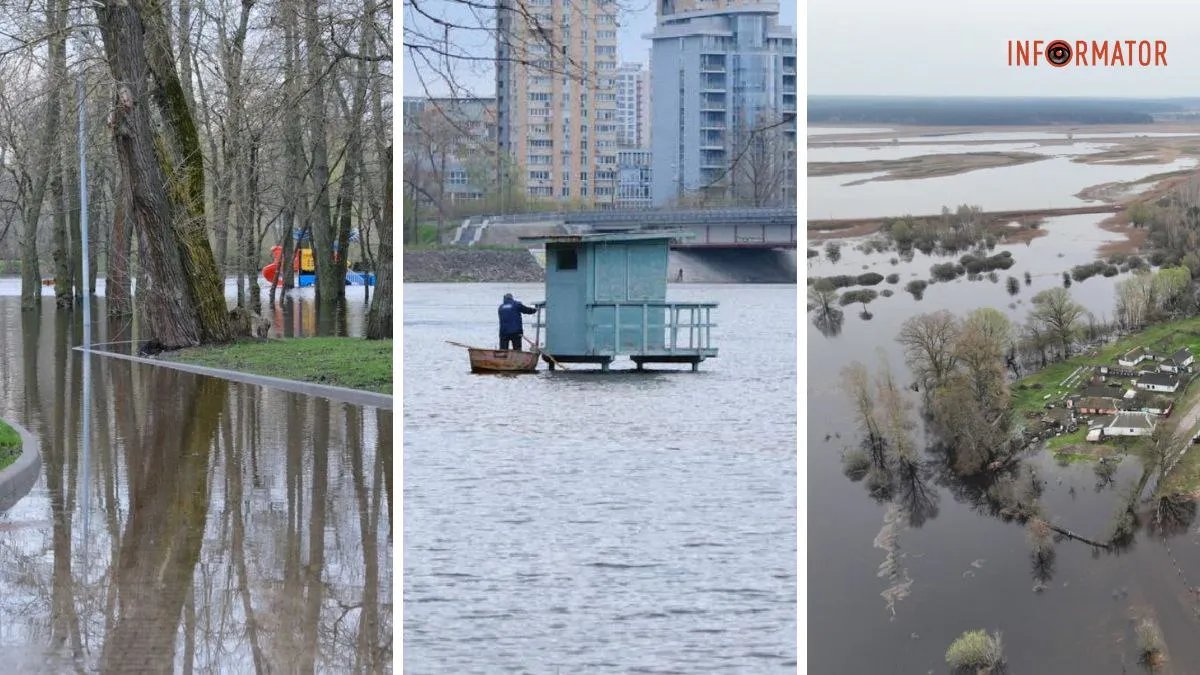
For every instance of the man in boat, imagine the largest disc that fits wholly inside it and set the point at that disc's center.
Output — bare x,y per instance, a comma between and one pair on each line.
510,321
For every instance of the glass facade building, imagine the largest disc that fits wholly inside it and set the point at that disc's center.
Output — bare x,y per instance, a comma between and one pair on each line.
723,78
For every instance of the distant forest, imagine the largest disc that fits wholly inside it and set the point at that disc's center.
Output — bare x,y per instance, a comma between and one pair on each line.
990,111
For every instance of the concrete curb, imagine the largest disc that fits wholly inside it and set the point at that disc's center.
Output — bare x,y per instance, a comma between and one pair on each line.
343,394
18,478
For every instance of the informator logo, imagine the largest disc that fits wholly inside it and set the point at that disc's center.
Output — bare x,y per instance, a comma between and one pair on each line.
1088,53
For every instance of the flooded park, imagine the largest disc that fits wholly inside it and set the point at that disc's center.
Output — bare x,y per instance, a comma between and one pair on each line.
895,576
199,525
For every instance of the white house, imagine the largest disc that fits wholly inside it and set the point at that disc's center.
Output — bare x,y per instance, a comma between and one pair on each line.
1177,362
1135,356
1164,382
1130,424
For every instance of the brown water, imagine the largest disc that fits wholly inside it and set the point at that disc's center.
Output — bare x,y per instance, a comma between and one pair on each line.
964,568
201,524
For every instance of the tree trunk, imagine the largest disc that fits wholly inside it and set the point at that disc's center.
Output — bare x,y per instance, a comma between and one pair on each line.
184,160
379,318
185,304
328,280
117,285
169,307
253,215
293,150
60,252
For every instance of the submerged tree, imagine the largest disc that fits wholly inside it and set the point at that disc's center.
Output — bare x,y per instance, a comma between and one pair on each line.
1059,315
928,341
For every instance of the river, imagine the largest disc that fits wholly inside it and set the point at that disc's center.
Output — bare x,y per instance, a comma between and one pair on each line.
201,524
947,565
602,523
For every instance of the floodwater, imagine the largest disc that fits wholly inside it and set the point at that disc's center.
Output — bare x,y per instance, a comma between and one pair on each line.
199,525
883,151
948,565
1049,183
579,522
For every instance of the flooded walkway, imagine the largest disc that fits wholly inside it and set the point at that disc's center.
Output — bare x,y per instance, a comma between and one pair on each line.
200,525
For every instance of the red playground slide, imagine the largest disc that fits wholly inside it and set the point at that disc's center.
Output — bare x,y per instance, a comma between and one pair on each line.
268,272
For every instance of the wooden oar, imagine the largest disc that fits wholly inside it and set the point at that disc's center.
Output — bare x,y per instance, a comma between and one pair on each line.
459,344
539,349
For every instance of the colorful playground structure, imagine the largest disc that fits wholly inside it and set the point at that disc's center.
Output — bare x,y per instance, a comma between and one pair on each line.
304,266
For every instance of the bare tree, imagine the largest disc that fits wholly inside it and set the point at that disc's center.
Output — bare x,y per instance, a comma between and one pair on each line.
1058,314
929,347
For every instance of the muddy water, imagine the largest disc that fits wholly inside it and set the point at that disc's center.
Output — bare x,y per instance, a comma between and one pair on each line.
201,524
954,567
1049,183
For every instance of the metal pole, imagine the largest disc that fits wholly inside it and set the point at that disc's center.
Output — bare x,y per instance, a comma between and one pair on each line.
87,311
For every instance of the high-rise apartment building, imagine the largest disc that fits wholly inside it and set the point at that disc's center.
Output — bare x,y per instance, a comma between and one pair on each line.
446,140
723,77
556,69
633,106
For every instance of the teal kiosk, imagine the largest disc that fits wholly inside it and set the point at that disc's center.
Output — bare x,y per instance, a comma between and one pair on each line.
606,296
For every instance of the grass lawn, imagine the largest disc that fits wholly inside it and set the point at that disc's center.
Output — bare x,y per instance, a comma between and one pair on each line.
10,445
1185,477
342,362
1165,337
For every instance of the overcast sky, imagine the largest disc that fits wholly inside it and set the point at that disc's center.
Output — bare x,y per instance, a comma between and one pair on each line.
958,47
478,78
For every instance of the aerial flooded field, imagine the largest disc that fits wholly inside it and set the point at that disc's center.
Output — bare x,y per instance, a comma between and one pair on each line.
896,574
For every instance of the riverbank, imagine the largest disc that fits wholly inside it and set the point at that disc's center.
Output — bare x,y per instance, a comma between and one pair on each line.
353,363
471,265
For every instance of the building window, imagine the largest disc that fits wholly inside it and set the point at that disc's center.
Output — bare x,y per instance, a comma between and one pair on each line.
456,177
566,258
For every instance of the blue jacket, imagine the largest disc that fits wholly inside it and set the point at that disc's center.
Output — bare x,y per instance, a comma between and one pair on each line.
510,316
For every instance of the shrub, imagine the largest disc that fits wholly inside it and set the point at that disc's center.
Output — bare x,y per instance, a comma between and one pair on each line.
893,278
887,293
869,279
946,271
975,649
813,253
1082,272
1149,641
855,463
833,251
916,287
864,296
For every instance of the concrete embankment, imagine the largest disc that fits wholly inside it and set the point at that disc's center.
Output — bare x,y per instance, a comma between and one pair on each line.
471,265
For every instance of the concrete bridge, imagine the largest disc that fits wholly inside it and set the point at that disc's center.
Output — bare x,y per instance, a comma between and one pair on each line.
745,228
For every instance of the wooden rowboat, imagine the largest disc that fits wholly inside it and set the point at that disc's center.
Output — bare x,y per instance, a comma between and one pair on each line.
500,360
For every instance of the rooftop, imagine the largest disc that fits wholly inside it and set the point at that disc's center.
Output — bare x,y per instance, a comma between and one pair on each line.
1132,420
1161,379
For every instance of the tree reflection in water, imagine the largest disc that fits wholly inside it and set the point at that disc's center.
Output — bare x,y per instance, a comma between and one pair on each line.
829,321
232,527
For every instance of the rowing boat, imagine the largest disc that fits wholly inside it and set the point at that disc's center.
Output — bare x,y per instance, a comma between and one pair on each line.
500,360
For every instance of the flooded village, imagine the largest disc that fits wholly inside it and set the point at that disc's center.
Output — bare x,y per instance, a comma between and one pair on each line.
1002,399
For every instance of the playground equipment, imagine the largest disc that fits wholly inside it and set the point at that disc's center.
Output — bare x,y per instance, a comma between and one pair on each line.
305,268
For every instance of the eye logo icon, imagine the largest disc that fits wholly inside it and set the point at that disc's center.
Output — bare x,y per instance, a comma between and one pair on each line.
1058,53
